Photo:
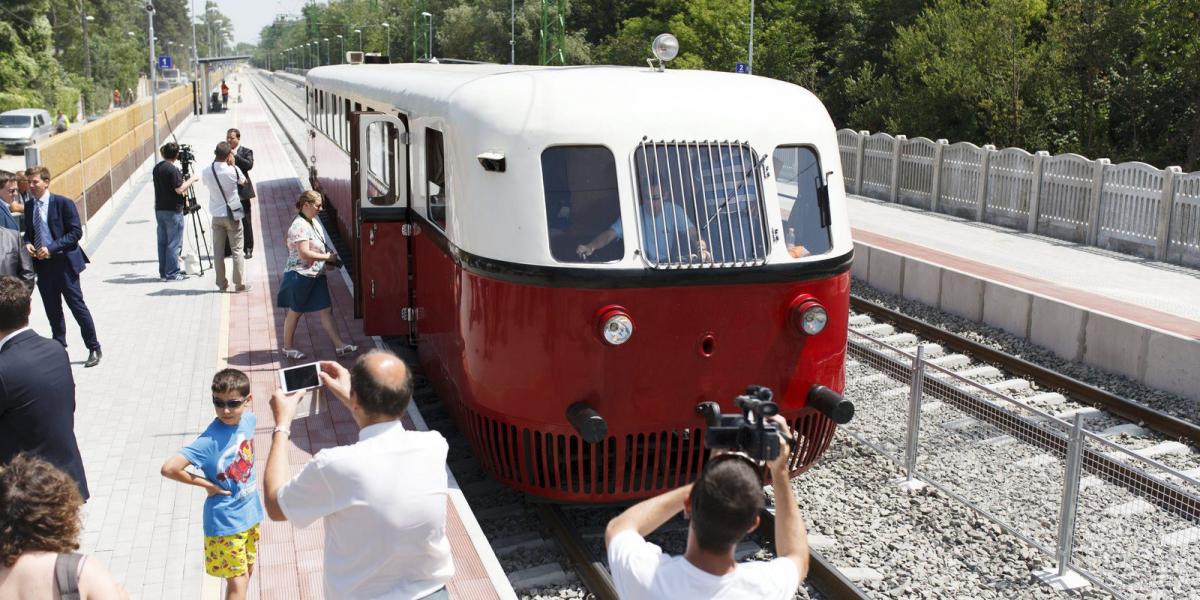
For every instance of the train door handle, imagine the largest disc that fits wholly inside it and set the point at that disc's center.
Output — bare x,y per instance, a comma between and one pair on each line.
371,235
372,289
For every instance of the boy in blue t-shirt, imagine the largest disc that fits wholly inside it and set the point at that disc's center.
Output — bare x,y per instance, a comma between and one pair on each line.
224,453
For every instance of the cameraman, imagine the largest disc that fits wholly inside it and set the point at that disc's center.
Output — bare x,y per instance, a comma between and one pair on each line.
169,201
723,506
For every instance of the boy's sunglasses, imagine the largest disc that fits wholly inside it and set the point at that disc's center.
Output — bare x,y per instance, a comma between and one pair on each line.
228,403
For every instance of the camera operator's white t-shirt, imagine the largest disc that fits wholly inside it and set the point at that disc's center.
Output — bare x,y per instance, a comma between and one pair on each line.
641,570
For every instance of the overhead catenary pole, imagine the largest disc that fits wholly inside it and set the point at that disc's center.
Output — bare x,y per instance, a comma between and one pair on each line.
750,58
195,52
512,33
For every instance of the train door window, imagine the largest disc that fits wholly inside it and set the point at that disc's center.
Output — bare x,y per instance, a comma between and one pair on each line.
803,200
583,206
381,164
435,177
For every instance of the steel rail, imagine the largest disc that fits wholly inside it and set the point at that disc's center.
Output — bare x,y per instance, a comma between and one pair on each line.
821,573
592,573
1079,391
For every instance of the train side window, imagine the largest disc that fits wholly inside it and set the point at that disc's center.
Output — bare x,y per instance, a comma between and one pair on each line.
337,121
582,203
803,200
346,125
435,177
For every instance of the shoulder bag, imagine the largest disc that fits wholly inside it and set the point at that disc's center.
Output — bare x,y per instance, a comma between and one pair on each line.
66,575
235,211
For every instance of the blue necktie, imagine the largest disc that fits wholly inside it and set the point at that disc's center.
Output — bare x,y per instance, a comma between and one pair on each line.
41,232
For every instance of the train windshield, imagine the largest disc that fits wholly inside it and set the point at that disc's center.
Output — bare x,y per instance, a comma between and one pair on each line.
583,207
803,200
700,204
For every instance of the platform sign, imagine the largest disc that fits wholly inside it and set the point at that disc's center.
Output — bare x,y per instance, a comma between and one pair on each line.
164,61
741,68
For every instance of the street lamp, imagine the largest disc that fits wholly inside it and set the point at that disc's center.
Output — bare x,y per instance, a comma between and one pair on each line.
428,36
328,49
512,33
387,49
153,74
359,32
341,48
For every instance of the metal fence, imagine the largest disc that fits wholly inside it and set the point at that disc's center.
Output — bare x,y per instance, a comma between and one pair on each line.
1130,207
1099,512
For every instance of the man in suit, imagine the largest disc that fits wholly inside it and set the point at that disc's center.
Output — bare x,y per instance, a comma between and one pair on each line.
37,390
243,158
9,199
52,239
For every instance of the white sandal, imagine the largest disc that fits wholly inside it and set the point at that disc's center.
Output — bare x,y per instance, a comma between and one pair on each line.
293,354
347,349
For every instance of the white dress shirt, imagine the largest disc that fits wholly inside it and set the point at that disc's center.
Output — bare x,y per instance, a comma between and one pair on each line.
226,176
383,501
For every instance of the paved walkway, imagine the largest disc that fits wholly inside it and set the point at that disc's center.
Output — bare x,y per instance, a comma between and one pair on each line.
148,397
150,394
1157,294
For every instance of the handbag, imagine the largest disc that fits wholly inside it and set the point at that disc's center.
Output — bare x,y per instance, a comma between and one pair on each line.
334,261
235,212
245,189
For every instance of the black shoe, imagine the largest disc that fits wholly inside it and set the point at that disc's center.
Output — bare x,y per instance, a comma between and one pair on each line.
249,254
93,358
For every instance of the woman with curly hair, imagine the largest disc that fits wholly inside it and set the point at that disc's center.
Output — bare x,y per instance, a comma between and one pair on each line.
39,532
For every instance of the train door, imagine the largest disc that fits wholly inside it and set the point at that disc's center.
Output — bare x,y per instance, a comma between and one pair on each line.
379,188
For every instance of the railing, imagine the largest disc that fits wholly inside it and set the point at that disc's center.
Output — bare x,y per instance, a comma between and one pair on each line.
1098,511
1130,207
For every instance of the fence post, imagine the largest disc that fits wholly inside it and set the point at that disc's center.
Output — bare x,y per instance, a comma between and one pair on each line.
1063,577
860,152
1093,223
913,433
1166,209
897,150
985,165
1035,190
935,194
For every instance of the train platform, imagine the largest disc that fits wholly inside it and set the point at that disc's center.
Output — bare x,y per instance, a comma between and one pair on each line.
149,396
1122,313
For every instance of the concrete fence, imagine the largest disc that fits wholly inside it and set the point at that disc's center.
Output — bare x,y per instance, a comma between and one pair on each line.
1129,207
89,164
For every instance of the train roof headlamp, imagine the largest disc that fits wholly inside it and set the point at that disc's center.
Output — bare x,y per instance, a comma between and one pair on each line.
665,47
616,327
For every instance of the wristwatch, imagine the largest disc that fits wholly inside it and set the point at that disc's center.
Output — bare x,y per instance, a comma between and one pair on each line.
283,430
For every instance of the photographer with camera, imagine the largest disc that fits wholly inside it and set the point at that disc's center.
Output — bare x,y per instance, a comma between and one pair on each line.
170,200
304,288
222,179
723,505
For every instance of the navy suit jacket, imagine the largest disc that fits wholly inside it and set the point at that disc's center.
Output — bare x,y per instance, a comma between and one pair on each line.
37,404
65,231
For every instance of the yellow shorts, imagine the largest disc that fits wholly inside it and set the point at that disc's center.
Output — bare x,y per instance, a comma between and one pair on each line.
227,556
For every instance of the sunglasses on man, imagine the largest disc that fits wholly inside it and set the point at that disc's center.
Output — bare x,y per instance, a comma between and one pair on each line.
219,403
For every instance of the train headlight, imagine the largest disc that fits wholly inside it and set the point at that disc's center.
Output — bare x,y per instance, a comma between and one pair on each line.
665,47
807,316
616,327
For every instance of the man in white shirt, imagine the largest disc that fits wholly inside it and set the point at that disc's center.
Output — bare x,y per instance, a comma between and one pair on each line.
221,179
723,506
383,499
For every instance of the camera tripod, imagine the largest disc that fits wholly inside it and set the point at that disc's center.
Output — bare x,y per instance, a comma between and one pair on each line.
199,235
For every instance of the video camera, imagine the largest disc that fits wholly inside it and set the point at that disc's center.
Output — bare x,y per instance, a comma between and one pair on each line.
749,432
186,158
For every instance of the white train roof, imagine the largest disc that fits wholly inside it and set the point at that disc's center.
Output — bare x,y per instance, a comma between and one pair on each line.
520,110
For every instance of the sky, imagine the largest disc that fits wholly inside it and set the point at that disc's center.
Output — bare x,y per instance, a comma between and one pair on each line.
249,17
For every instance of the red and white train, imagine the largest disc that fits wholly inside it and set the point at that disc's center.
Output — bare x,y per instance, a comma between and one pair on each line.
582,255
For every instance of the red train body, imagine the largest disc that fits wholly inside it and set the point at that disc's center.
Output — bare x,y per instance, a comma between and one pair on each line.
473,265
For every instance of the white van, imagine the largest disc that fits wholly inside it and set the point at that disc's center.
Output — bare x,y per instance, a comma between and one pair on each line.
24,127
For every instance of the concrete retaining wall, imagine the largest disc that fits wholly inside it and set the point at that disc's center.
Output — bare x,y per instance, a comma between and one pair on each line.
1153,357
